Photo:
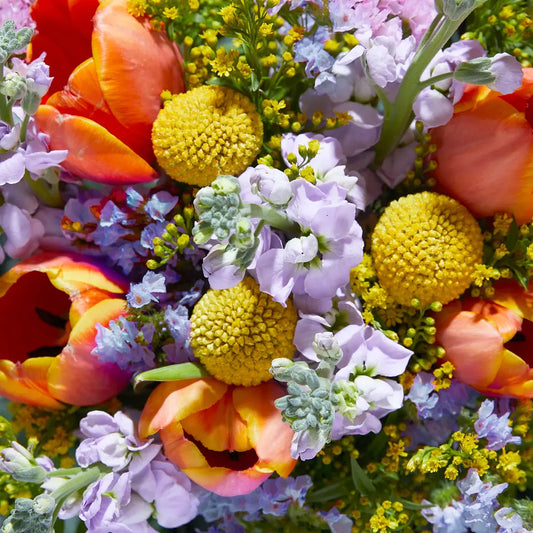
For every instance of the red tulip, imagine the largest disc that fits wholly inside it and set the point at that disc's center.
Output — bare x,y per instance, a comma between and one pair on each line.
485,153
490,341
49,306
105,113
227,439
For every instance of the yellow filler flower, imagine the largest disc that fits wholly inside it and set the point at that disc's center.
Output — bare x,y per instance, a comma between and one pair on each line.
426,246
206,132
237,332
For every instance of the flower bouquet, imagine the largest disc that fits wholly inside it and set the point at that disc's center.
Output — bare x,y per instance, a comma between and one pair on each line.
266,266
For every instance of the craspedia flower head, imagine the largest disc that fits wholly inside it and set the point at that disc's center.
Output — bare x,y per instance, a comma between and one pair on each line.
426,246
237,332
205,132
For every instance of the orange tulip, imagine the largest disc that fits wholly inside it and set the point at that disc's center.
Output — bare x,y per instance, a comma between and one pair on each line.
49,306
227,439
104,115
490,341
485,153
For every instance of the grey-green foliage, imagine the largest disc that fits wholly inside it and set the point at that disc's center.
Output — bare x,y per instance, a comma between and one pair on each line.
11,40
30,516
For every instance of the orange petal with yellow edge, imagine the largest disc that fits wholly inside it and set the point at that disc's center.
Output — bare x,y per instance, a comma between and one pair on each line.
514,297
173,401
479,151
505,320
220,480
473,345
83,97
269,435
27,382
219,427
94,153
226,482
77,376
122,47
513,369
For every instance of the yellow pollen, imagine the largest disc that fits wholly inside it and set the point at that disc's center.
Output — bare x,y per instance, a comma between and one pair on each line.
426,246
237,332
205,132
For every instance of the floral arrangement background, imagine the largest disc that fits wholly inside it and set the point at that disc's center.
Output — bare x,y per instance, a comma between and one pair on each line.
266,266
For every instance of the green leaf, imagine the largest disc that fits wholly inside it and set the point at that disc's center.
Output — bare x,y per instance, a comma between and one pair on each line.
332,492
360,479
254,82
172,373
521,277
412,506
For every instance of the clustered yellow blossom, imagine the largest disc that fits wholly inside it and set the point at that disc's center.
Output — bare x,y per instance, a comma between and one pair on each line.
389,516
205,132
426,246
237,332
443,376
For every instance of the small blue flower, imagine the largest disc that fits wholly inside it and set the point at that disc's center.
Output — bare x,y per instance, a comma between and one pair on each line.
159,205
494,428
143,293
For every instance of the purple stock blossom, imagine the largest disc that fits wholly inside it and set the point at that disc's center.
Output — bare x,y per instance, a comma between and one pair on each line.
335,245
142,483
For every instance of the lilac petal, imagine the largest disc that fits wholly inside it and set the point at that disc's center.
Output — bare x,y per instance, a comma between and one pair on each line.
274,275
12,168
334,222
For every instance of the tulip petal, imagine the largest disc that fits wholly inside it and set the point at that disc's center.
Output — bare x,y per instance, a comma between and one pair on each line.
226,482
476,148
71,20
469,339
94,153
122,47
27,382
512,369
514,297
83,97
219,427
71,371
24,308
269,435
173,401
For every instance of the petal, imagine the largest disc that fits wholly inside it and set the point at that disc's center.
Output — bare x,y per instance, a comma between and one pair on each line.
94,153
485,160
83,97
226,482
77,376
220,480
513,370
27,382
514,297
469,339
59,22
25,299
122,47
219,427
175,400
269,435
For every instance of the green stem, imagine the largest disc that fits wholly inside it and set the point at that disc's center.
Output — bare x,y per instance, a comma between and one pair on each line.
48,193
82,480
273,218
400,114
436,79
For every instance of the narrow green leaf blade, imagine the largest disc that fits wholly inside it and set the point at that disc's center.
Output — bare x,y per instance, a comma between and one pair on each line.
172,373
